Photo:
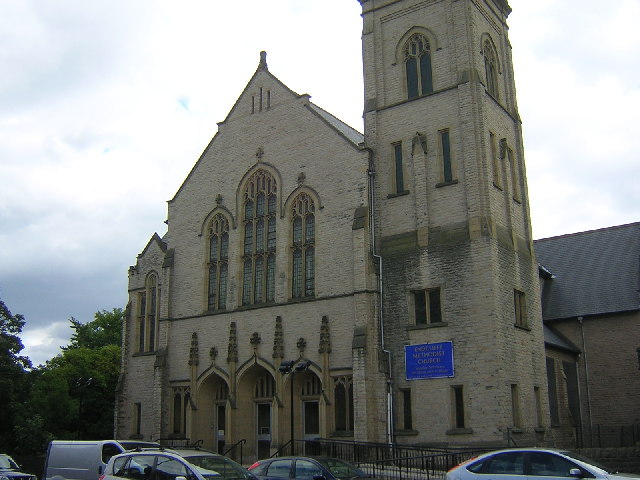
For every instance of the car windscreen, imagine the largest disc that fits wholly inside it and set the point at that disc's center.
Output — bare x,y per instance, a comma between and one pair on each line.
7,464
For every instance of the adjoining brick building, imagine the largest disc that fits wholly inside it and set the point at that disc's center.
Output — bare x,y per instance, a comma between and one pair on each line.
591,310
395,269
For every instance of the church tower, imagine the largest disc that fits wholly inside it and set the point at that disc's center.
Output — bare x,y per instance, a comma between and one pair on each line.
461,304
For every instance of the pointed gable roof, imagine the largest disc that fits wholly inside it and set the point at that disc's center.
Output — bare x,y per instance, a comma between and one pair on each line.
594,273
350,134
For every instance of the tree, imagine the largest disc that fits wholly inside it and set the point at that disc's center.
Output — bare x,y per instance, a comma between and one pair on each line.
13,373
74,392
105,329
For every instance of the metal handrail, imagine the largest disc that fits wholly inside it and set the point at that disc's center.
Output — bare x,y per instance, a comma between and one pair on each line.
233,447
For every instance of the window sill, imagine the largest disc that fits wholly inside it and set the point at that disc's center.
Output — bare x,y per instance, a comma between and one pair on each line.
342,434
539,429
522,327
499,187
446,184
398,194
144,354
406,433
517,200
460,431
515,430
427,325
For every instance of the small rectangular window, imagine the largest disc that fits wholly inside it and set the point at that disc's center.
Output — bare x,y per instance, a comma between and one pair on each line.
538,399
515,405
553,392
515,175
137,418
398,167
458,406
447,164
427,306
407,418
520,308
495,161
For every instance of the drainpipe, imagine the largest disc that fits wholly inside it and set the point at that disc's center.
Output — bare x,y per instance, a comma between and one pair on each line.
371,171
586,372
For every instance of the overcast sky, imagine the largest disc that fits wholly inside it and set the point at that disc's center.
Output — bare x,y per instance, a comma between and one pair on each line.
106,105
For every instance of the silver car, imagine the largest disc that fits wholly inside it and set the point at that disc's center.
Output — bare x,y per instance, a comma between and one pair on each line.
160,464
532,464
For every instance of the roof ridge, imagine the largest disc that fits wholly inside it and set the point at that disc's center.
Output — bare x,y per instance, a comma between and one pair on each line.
574,234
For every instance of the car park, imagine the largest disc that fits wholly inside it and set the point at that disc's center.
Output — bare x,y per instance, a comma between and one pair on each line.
532,464
305,468
10,470
179,464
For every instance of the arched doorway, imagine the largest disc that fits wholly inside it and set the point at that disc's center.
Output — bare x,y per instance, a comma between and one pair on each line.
255,419
210,424
305,411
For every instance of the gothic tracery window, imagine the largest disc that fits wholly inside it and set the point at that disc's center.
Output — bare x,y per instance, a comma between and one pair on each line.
303,246
218,264
417,60
148,310
490,68
259,254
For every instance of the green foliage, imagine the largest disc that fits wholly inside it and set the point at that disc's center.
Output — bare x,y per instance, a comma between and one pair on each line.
72,396
13,374
105,329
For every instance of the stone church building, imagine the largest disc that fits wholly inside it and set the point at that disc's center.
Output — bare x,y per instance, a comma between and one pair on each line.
319,282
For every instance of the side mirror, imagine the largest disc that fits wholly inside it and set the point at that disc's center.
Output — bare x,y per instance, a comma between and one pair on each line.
575,473
180,478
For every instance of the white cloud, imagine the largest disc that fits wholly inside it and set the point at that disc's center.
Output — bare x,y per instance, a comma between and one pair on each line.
106,105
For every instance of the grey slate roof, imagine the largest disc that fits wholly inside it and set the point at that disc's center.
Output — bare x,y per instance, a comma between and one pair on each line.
350,133
554,339
594,273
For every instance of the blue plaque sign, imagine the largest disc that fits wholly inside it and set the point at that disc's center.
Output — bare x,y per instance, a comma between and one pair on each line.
429,360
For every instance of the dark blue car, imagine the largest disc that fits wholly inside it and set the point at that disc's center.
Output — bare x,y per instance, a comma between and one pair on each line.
305,468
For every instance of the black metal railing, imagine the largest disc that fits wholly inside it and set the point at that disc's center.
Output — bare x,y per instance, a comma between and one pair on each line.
232,451
606,436
383,460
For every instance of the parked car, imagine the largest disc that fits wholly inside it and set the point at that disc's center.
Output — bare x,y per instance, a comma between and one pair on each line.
182,464
10,470
305,468
134,444
532,464
79,459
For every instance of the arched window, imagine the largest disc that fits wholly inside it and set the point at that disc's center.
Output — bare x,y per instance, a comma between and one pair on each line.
490,68
303,246
417,60
259,254
218,262
148,311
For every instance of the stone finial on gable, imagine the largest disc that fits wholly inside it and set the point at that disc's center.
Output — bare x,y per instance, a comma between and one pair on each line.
263,61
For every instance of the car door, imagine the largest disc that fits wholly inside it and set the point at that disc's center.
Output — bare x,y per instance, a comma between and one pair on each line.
307,470
549,466
278,470
501,466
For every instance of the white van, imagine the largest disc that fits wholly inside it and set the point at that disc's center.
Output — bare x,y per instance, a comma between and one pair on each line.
83,459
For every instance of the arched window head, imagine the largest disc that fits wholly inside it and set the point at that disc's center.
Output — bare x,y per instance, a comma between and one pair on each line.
490,68
259,250
148,313
303,246
417,61
218,262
